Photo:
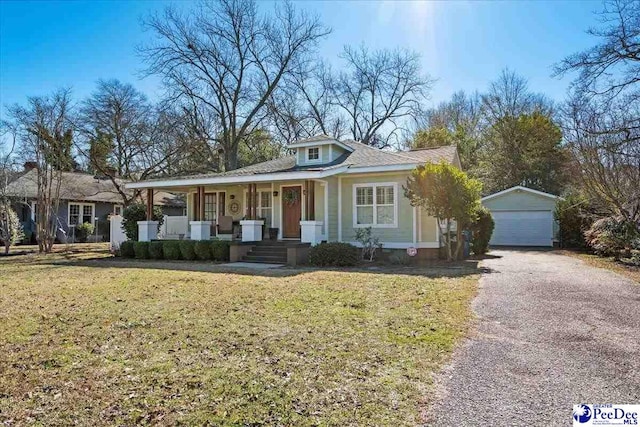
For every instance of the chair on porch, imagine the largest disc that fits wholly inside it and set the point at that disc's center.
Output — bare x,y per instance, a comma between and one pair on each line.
225,227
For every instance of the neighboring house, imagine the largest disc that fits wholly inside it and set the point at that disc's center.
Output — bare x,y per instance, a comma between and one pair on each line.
83,198
323,192
523,217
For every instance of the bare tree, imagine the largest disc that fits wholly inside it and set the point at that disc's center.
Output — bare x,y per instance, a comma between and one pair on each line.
225,61
603,140
122,133
45,134
378,90
612,66
509,96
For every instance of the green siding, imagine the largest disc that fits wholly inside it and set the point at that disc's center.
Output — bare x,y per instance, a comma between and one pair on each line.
520,200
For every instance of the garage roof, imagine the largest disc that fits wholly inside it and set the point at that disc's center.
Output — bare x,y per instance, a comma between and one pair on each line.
519,188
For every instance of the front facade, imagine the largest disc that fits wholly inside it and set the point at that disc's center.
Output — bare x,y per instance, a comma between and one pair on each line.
522,217
324,191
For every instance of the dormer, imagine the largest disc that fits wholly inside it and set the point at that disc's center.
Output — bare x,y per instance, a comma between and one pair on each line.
318,150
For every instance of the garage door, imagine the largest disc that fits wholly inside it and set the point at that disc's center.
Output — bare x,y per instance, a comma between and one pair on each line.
522,228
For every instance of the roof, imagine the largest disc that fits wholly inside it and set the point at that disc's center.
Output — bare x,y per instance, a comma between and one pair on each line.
519,188
82,187
359,158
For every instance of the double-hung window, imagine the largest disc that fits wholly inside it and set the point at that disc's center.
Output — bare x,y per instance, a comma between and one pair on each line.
79,213
375,205
313,154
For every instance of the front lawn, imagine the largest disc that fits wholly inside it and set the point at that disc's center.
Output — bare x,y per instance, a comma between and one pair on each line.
104,342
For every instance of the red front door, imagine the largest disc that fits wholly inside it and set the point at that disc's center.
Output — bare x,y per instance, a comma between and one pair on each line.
291,212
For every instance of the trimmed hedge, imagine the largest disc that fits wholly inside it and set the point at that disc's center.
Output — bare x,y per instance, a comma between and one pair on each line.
202,250
156,249
141,250
334,254
126,249
171,249
188,249
220,250
482,229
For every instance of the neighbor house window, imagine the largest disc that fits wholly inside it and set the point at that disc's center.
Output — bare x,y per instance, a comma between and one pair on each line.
375,205
313,154
79,213
117,209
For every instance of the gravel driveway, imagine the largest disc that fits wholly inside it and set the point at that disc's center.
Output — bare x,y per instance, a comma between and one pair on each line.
552,332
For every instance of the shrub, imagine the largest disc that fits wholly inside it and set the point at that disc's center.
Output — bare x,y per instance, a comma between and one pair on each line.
187,249
155,249
572,214
220,250
369,242
481,229
83,231
126,249
141,250
334,254
138,212
202,249
171,249
400,258
613,236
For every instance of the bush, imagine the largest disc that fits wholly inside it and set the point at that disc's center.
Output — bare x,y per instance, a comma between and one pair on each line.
141,250
613,236
334,254
126,249
220,250
369,242
171,249
400,258
188,249
83,231
155,249
202,249
572,214
138,212
481,229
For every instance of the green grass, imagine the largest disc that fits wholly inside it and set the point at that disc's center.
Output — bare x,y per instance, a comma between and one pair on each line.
104,342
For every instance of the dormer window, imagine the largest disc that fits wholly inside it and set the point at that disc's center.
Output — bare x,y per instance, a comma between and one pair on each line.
313,154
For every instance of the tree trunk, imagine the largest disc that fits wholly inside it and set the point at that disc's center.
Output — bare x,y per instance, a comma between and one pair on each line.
448,240
459,243
230,159
6,248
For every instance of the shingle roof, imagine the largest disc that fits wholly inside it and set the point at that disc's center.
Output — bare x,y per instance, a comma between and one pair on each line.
82,187
362,156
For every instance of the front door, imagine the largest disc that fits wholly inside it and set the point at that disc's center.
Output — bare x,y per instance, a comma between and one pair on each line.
291,212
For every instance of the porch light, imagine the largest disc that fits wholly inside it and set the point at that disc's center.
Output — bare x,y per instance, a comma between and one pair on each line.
275,194
233,196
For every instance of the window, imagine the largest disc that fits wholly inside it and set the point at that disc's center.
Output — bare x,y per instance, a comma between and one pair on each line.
79,213
375,205
117,209
263,206
313,154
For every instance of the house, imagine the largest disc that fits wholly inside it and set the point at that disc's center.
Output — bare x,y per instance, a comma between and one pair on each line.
324,191
523,217
83,198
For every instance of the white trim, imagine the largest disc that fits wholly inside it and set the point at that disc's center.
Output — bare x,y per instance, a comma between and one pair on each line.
33,205
404,245
384,168
325,184
374,185
419,224
211,180
307,160
415,225
339,209
320,142
121,209
302,210
330,153
81,212
519,188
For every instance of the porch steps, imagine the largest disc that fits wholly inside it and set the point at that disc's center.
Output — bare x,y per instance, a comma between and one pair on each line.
272,253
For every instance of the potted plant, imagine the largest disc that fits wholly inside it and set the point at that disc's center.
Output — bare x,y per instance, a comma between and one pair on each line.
273,233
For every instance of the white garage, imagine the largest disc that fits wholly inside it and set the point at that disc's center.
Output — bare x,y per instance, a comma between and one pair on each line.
522,216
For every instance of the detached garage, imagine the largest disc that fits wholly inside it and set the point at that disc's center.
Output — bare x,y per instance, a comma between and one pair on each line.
522,216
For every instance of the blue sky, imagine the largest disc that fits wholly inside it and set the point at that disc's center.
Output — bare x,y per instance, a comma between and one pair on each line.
464,45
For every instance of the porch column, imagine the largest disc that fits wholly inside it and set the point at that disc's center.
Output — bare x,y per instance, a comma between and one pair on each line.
252,227
149,204
310,229
200,229
148,230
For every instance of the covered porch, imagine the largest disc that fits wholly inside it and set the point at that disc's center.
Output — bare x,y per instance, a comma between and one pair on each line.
277,210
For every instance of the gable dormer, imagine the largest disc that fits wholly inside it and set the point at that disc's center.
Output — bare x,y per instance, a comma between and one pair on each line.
318,150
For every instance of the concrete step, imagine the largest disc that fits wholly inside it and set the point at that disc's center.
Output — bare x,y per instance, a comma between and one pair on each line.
267,259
